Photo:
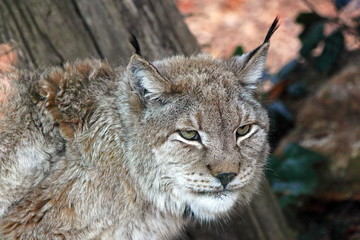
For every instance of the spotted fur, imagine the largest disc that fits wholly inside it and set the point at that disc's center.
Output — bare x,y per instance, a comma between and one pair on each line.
92,152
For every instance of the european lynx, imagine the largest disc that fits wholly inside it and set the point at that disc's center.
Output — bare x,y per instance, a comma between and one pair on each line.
89,152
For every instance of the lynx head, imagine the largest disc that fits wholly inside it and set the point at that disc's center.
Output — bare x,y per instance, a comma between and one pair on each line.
196,136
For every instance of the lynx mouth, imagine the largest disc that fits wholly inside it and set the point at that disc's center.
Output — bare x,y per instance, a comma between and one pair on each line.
216,194
208,204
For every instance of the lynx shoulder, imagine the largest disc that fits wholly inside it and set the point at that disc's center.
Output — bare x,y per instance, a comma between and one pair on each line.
92,152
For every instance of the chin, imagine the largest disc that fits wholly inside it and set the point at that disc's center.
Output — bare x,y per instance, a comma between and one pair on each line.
209,206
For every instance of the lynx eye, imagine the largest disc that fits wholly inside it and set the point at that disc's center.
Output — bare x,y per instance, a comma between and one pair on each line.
191,135
243,130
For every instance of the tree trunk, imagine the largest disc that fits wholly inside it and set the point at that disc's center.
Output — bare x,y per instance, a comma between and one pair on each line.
54,31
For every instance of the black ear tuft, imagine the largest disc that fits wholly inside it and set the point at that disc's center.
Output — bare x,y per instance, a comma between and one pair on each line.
272,29
134,42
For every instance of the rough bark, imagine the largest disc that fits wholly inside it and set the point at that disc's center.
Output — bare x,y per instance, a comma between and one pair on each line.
54,31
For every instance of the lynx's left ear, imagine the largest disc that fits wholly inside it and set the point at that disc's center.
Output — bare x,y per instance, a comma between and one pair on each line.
249,66
146,80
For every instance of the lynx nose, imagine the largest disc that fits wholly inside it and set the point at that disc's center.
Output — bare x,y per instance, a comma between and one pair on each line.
225,178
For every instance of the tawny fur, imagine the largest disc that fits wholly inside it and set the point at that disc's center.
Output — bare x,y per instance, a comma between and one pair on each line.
92,152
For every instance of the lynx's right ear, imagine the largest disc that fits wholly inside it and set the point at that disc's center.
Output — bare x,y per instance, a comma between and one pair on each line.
249,67
146,80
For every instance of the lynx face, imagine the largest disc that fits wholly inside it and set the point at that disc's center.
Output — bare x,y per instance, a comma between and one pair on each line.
202,137
211,171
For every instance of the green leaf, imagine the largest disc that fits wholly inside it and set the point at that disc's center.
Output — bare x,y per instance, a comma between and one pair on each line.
294,188
287,68
294,175
334,44
308,18
311,39
239,50
341,3
303,154
287,200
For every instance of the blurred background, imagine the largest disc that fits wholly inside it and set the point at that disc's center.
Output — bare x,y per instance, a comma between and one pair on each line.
222,25
312,92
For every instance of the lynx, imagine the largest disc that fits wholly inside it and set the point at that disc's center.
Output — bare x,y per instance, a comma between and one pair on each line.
136,152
